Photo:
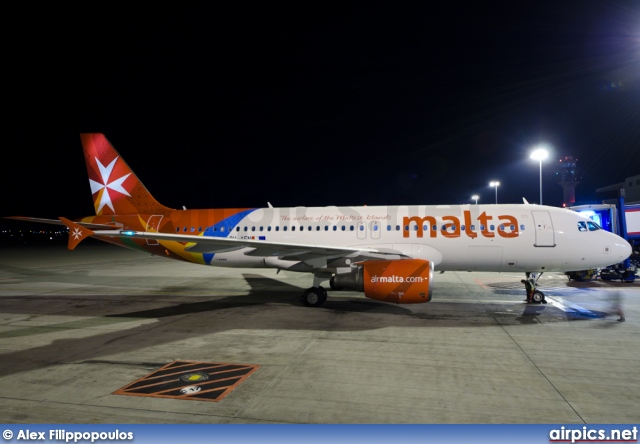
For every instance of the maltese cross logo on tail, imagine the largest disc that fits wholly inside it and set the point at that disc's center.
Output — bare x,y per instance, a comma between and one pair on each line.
76,232
105,188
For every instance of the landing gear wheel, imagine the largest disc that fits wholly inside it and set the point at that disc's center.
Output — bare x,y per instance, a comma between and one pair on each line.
314,297
538,297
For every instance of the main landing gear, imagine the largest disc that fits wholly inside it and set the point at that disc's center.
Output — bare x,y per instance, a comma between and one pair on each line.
317,295
314,297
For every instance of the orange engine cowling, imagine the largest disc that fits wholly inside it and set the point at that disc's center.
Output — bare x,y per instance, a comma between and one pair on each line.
405,281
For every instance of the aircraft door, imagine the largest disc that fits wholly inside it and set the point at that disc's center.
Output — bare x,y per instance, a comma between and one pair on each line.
361,230
545,237
153,225
375,228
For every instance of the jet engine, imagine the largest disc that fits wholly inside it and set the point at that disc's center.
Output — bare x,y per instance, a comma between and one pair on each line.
404,281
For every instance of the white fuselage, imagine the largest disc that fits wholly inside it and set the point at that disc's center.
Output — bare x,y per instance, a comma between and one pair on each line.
458,237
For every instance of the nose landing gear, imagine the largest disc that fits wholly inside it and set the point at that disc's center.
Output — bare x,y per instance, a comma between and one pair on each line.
538,297
534,296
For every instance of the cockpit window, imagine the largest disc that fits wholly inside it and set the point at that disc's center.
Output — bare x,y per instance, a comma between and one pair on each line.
588,226
592,226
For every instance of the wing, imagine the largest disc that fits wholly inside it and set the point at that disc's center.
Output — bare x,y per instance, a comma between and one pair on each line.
282,250
314,255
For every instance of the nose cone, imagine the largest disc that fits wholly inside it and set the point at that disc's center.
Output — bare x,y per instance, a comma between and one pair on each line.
622,249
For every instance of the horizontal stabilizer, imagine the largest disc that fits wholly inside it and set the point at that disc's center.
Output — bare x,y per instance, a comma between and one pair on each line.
88,225
77,233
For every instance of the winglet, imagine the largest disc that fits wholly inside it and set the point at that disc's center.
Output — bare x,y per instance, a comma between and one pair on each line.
77,233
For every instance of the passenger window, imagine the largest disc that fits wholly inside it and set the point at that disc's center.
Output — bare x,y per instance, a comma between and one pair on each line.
177,229
388,227
253,228
351,228
269,228
473,228
301,228
277,227
318,228
343,228
284,228
184,229
522,227
492,227
335,228
293,228
397,227
246,228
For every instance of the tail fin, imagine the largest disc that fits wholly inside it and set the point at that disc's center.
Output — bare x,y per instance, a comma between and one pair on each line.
115,187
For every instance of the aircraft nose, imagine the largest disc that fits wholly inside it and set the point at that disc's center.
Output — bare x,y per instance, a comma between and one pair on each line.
622,249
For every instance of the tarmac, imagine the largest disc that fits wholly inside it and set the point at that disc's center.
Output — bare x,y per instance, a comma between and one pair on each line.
77,327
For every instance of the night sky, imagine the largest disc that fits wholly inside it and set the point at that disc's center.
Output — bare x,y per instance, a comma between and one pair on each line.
321,103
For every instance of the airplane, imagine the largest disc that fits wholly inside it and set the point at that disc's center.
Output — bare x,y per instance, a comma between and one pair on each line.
389,253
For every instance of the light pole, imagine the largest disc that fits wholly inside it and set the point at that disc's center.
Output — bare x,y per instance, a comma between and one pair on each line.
475,197
495,184
540,154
